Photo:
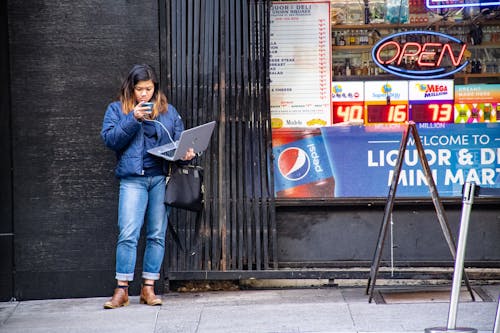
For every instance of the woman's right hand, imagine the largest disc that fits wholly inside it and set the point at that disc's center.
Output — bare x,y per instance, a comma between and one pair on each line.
141,111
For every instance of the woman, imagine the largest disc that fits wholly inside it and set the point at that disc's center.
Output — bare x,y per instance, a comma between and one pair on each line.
130,128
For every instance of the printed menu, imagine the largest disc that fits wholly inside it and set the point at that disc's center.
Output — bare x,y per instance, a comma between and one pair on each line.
300,64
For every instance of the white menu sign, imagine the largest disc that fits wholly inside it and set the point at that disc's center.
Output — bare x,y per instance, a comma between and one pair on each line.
300,64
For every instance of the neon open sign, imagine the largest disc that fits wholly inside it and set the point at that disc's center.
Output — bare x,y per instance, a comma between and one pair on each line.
420,54
458,3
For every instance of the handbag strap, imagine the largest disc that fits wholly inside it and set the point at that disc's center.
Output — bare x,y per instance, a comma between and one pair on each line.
197,229
175,236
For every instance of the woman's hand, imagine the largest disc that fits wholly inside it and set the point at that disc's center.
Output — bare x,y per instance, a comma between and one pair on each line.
141,111
189,155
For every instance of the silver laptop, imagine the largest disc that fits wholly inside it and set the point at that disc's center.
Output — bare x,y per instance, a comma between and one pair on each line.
197,138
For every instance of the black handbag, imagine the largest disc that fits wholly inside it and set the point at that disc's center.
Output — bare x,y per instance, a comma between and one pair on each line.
185,187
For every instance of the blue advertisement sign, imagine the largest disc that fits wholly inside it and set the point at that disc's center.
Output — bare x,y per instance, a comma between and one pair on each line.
301,165
362,158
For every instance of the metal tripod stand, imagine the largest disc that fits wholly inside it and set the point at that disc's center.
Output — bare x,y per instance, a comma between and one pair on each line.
411,127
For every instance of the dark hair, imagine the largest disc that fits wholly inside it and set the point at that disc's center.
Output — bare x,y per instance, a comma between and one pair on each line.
141,72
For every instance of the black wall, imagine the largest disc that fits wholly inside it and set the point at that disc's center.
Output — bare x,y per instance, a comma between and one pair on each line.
6,223
343,235
66,63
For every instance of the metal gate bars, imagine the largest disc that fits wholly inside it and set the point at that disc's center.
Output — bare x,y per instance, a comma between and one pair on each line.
214,67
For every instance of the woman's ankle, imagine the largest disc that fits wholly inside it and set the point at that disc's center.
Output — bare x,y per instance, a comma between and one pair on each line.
148,282
122,284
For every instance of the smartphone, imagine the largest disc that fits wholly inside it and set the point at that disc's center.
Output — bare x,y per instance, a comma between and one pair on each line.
149,105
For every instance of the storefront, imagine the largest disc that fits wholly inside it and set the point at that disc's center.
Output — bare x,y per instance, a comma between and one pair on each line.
346,78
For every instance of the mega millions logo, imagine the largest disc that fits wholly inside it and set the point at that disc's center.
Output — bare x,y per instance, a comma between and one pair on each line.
432,90
422,87
294,163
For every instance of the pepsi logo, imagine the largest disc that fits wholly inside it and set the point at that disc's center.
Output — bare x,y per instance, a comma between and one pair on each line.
294,163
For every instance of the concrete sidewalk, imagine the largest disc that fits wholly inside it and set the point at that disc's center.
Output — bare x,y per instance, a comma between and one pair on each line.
261,311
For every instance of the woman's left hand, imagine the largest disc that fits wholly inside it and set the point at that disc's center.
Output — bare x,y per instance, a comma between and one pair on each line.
189,155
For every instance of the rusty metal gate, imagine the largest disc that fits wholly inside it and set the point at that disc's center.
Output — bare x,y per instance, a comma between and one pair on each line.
214,67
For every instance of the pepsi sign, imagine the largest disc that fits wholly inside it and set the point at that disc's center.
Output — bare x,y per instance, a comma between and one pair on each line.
302,168
420,54
293,163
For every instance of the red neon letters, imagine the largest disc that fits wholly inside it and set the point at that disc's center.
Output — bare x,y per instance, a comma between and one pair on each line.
424,54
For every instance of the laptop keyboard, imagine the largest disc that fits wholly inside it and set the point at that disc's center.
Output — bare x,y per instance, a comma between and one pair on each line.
169,153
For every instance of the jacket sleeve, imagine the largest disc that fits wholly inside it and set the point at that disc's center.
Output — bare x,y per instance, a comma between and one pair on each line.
118,129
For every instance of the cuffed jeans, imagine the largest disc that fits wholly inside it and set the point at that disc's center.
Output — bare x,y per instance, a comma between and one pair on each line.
141,199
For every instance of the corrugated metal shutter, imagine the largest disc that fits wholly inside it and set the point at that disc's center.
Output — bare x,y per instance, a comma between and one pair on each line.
214,67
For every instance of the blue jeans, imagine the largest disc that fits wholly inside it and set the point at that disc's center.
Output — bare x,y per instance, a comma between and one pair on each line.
141,199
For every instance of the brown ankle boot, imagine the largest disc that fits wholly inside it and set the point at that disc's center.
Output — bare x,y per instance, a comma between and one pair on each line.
148,295
120,298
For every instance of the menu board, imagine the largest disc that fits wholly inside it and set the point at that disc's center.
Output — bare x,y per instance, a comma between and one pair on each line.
300,64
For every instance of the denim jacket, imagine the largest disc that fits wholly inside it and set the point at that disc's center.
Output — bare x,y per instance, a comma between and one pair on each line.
124,134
